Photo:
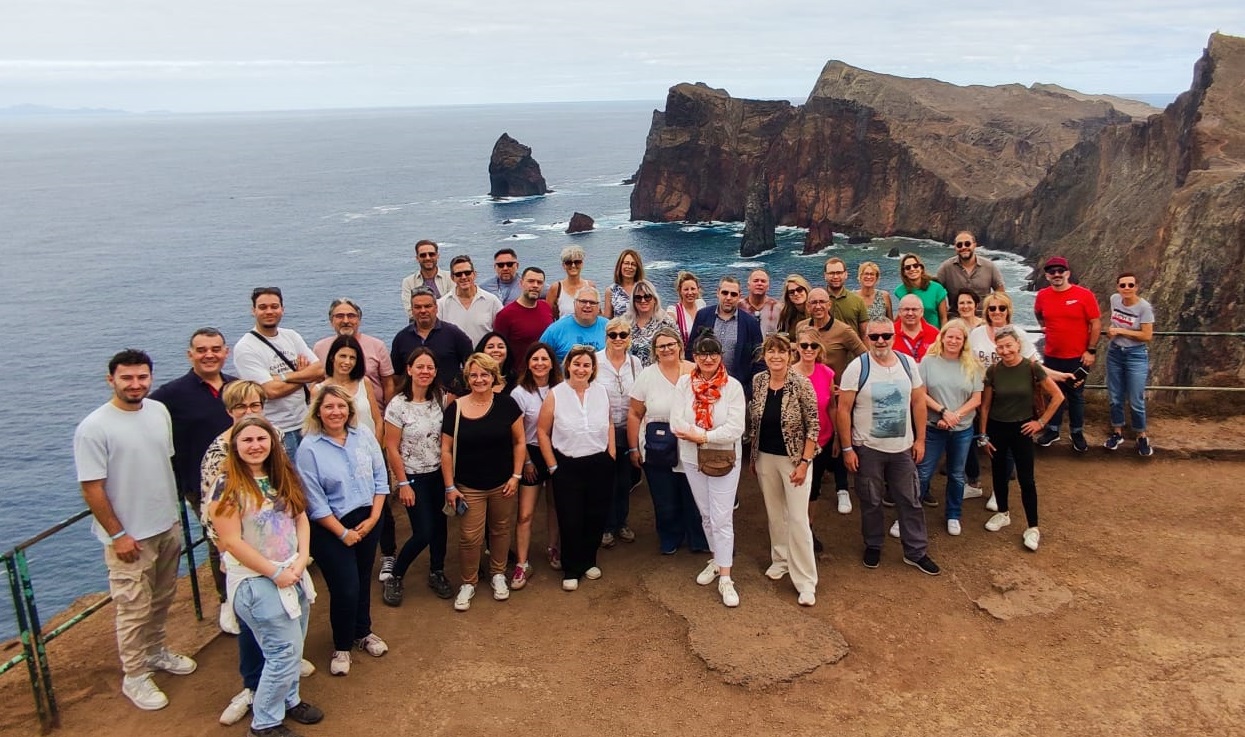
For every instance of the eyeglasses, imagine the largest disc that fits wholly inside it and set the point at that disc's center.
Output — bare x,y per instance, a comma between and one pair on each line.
573,262
996,308
618,335
587,302
836,273
875,337
250,407
505,264
667,346
963,244
808,346
642,297
426,254
1127,284
911,309
913,267
706,356
726,293
1056,270
345,316
796,290
461,274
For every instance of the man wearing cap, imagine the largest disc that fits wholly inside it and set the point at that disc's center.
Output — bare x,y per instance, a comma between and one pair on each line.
759,304
345,316
469,307
845,304
1070,314
429,275
967,270
913,336
504,284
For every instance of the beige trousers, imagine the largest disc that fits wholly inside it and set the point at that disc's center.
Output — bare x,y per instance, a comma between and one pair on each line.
484,508
142,592
786,507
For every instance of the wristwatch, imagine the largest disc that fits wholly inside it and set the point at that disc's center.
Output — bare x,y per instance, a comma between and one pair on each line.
983,441
805,460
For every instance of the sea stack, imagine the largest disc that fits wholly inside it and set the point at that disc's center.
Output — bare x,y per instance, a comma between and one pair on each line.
758,220
580,223
512,172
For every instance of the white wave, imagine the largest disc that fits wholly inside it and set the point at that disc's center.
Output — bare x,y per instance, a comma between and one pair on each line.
552,226
510,200
387,208
746,265
521,237
518,221
348,216
661,266
790,229
691,229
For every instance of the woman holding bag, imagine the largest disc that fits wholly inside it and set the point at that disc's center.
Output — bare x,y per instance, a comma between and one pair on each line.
708,420
652,446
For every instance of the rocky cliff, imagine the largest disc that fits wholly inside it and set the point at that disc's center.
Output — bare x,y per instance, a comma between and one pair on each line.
1034,170
512,172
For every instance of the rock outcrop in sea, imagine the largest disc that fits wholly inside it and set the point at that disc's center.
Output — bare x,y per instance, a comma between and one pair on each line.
580,223
1038,171
759,235
512,172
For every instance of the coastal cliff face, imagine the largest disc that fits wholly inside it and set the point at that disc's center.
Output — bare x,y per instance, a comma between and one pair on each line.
1034,170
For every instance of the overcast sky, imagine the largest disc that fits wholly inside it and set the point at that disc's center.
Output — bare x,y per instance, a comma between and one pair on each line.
193,55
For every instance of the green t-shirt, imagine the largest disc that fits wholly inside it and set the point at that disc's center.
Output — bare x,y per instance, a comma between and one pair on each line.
1013,390
931,296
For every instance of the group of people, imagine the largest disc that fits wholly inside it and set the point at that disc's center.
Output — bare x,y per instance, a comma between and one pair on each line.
494,392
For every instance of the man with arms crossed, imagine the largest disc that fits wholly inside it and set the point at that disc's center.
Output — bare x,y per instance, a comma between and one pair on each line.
279,360
122,453
878,411
840,342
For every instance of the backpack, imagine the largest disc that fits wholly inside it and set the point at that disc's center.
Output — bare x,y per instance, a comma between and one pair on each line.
864,368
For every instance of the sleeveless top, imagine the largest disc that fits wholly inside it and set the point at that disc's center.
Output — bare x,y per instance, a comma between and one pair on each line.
580,429
878,308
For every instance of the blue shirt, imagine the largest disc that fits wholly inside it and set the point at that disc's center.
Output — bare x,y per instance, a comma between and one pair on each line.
340,479
565,333
199,416
507,292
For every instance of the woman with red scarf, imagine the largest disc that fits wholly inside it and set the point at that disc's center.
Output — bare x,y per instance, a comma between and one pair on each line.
708,420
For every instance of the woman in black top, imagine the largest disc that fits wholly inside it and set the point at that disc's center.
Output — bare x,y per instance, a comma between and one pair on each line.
482,453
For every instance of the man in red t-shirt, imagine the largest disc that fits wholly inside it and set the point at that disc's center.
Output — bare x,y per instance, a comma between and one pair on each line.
913,335
524,320
1070,314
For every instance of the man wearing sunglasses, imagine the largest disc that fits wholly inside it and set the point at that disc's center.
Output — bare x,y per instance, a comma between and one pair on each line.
1070,314
967,270
505,283
429,275
469,307
737,331
883,413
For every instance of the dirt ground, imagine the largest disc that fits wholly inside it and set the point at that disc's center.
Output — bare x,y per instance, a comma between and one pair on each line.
1126,622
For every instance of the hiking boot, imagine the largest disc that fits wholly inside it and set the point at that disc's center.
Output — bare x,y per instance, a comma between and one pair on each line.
440,585
1078,442
1143,447
1114,441
925,565
1048,437
386,568
304,713
144,692
391,592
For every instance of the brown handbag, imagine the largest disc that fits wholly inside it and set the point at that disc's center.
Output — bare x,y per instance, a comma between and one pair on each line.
714,461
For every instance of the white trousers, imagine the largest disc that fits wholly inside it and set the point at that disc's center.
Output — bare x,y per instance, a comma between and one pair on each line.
786,507
715,498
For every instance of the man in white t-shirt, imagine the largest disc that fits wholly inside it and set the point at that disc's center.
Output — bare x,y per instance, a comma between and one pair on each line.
123,452
882,410
279,360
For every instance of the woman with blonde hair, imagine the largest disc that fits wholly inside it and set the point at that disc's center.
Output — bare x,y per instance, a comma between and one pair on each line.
561,295
794,303
617,370
809,353
953,383
628,271
646,317
260,519
916,280
877,300
683,312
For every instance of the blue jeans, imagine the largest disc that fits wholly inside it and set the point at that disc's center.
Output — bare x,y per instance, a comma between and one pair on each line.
1074,396
674,510
281,638
290,441
956,444
1128,367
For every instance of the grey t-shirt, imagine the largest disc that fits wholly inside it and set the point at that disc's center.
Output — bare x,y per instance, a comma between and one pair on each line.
946,383
131,452
1129,317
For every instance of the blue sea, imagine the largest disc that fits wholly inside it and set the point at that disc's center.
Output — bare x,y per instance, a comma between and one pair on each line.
132,231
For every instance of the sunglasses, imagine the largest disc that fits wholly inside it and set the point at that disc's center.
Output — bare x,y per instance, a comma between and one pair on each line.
963,244
1057,270
506,264
796,290
808,346
461,274
913,267
642,297
426,255
725,293
880,336
574,262
618,335
1127,284
996,308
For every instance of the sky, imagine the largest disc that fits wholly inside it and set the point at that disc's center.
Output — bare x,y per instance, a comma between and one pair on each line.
224,55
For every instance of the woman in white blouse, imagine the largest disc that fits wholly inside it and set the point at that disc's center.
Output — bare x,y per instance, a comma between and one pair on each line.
577,441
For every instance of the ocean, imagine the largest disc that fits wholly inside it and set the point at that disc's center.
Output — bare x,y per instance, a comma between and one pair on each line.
134,230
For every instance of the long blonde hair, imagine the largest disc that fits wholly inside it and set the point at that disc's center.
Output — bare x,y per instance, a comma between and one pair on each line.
969,364
241,490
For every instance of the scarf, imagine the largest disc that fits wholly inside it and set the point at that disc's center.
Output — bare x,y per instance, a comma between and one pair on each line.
705,393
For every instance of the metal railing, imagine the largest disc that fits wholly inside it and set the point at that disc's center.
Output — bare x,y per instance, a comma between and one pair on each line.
34,640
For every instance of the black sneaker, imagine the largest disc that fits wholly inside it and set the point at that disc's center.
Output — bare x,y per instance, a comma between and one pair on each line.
924,565
391,592
1114,441
873,556
929,501
1048,437
440,584
1143,447
278,731
305,713
817,546
1078,442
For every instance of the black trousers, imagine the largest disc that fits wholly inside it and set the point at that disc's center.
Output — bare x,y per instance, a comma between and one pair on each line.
347,571
1007,438
582,490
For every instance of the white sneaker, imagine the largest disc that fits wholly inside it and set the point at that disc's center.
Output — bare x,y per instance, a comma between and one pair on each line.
953,527
998,521
171,662
845,502
1032,537
238,707
340,664
776,571
895,529
592,573
144,692
972,492
570,584
726,588
306,668
228,620
462,602
372,645
705,577
992,504
501,591
807,598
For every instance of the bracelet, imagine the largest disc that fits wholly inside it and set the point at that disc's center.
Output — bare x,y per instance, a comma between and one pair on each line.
846,448
1092,351
516,476
404,483
280,567
528,462
553,468
633,450
450,488
120,534
342,536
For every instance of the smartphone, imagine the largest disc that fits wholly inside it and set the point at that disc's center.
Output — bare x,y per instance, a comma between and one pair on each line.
1080,375
460,506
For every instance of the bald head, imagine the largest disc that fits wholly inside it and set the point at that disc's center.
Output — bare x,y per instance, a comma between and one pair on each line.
818,305
911,308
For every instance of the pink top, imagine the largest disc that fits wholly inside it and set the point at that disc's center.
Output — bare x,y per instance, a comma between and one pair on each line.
823,387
